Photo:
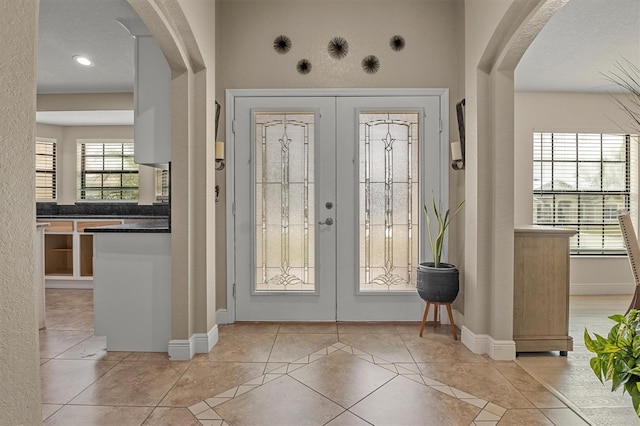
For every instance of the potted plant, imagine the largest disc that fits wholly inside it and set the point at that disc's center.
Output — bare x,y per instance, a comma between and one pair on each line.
437,280
618,355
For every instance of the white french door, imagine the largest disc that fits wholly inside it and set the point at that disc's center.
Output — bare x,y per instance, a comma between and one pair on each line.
327,193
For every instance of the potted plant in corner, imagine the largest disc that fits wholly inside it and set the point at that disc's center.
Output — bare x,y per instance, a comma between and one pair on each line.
438,282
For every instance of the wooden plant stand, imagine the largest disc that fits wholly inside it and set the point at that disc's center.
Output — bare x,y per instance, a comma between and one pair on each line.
435,317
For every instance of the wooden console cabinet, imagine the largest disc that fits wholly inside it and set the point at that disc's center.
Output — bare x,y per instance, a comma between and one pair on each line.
541,289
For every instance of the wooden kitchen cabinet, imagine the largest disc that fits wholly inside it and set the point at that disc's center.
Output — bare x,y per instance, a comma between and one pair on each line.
541,290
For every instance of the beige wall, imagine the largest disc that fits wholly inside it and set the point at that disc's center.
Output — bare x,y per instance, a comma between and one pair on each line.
201,16
568,112
19,353
67,138
246,59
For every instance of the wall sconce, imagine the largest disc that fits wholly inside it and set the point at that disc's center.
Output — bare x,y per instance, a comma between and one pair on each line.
219,155
219,144
457,148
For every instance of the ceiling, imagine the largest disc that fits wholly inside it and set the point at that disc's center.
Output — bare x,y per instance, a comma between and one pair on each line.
583,40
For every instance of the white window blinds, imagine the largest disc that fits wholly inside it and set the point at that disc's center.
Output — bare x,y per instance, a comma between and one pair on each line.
45,169
106,171
581,181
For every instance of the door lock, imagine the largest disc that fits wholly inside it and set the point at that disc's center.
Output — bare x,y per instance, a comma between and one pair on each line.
329,205
327,221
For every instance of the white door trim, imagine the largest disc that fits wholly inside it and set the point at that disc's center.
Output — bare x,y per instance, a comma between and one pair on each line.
232,94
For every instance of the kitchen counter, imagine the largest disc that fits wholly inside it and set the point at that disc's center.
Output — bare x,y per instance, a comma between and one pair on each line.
155,226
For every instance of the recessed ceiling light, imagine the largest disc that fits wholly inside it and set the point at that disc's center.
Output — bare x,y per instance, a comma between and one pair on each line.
83,60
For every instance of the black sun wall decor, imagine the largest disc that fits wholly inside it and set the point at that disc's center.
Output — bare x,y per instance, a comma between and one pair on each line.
397,43
370,64
338,48
303,66
282,44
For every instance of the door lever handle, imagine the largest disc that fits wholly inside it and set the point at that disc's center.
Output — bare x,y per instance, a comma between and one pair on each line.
327,221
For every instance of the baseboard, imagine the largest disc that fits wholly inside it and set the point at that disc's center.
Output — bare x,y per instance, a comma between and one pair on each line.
199,343
204,342
223,317
499,350
181,350
602,289
69,284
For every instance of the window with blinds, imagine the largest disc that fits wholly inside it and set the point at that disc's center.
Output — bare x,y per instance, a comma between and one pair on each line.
45,169
106,171
581,181
162,185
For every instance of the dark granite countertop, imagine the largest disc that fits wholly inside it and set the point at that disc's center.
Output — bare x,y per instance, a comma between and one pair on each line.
102,210
157,226
101,217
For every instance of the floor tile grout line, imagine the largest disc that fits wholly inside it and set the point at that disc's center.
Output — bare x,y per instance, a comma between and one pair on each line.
572,406
90,384
275,339
326,348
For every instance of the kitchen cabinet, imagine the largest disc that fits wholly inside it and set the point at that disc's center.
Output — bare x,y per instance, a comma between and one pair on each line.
541,290
68,252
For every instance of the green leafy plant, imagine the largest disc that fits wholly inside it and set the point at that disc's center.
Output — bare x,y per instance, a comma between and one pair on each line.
443,222
618,355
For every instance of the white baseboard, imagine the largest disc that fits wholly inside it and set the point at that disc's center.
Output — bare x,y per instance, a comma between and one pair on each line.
223,317
181,349
204,342
185,349
499,350
69,284
602,289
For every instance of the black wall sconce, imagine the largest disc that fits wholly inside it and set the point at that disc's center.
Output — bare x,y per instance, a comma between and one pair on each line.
457,148
219,147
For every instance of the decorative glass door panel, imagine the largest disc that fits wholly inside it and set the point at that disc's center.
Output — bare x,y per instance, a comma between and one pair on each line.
388,190
284,202
326,195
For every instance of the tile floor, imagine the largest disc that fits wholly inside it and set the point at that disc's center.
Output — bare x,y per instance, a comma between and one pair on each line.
316,374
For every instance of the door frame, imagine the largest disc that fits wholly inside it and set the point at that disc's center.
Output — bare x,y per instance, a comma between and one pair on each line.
232,94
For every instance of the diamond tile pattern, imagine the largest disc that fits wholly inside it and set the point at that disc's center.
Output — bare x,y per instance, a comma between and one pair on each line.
296,374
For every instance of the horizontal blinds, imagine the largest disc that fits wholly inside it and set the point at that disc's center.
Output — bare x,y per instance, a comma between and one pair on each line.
107,171
581,181
162,185
45,170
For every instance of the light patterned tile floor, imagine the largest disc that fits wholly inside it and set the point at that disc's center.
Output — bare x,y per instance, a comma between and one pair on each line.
318,374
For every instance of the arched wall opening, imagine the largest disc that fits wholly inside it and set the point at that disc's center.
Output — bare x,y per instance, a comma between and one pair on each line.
489,189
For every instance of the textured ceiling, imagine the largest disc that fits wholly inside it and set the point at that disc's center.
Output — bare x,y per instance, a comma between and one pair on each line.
583,41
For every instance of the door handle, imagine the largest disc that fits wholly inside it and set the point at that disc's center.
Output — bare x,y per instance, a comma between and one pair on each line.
327,221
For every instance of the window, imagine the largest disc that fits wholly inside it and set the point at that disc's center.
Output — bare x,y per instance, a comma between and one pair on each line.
162,185
581,181
45,169
106,171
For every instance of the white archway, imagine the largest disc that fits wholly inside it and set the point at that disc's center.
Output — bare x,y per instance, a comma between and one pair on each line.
489,246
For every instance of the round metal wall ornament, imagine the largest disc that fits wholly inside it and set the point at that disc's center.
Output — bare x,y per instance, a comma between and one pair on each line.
303,66
371,64
397,43
338,48
282,44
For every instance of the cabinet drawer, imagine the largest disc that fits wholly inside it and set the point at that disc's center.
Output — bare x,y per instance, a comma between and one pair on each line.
59,226
83,225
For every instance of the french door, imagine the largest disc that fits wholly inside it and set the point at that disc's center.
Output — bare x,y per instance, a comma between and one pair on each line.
327,193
